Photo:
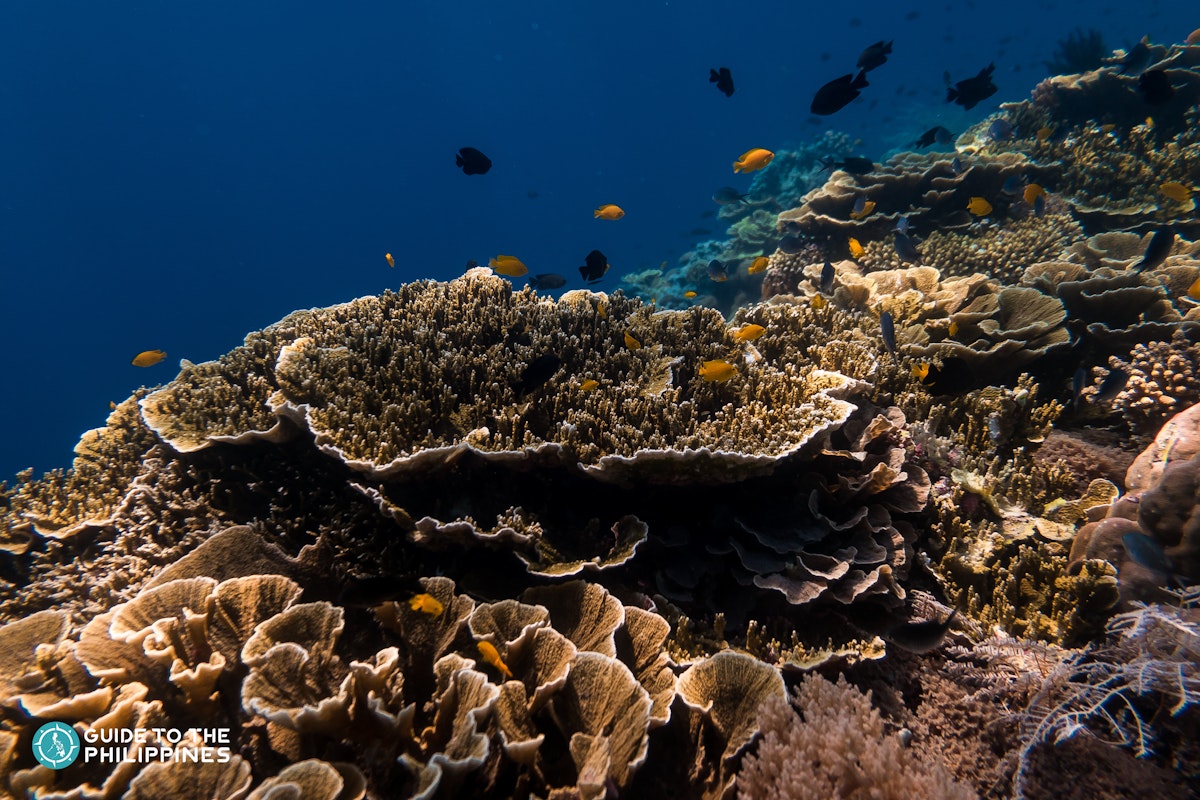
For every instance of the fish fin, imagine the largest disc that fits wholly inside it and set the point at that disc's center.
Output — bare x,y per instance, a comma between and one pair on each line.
951,94
860,80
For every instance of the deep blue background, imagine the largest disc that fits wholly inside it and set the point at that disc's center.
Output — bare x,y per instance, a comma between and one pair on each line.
176,175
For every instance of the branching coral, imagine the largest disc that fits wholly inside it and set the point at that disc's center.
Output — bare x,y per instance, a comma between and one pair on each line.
833,745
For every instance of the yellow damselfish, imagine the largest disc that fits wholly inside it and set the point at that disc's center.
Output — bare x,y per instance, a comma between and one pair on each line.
748,333
856,248
426,604
630,342
508,265
717,371
492,656
608,211
979,207
148,358
753,159
758,265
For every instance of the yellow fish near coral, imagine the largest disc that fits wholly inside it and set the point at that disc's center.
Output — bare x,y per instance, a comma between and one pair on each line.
689,294
1032,192
508,265
920,371
753,160
1176,191
867,207
717,371
979,207
492,656
148,358
1044,133
589,385
856,248
819,302
630,342
748,333
1194,290
391,261
426,604
608,211
758,265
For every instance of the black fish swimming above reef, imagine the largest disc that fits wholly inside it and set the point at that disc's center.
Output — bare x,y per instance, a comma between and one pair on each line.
906,249
920,637
837,94
935,135
827,275
970,92
536,373
1157,251
727,195
888,329
855,165
723,78
594,266
547,280
472,161
1156,87
1112,385
1137,59
874,56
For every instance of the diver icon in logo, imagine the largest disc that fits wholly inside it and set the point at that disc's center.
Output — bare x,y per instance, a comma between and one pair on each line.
56,745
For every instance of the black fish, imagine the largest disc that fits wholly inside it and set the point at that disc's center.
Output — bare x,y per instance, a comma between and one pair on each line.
723,79
827,275
547,280
536,373
874,56
594,266
935,135
472,263
957,167
369,592
970,92
888,329
1112,385
954,376
920,637
1147,551
472,161
1001,130
855,165
1156,87
1157,251
837,94
906,249
791,244
727,195
1137,59
1039,205
1078,380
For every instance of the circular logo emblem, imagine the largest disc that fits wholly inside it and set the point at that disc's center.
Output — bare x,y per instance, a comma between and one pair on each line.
56,745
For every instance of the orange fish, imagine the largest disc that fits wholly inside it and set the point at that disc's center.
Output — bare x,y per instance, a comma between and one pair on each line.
753,160
856,248
391,261
920,371
758,265
1193,37
426,604
630,342
979,207
1032,192
1108,127
819,301
608,211
589,385
1044,133
508,265
1194,290
867,207
492,656
748,333
148,358
717,371
689,294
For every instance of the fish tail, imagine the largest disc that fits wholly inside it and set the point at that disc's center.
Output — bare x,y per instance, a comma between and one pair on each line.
860,80
951,94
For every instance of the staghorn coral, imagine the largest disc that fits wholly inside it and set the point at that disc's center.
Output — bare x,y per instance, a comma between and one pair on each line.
830,742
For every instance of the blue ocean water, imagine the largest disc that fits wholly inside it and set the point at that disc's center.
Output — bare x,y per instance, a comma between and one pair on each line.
176,175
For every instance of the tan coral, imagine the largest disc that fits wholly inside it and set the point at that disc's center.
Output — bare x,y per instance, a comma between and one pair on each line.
728,689
605,713
313,779
583,612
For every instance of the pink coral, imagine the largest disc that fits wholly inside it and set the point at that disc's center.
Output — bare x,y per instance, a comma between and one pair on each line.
836,747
